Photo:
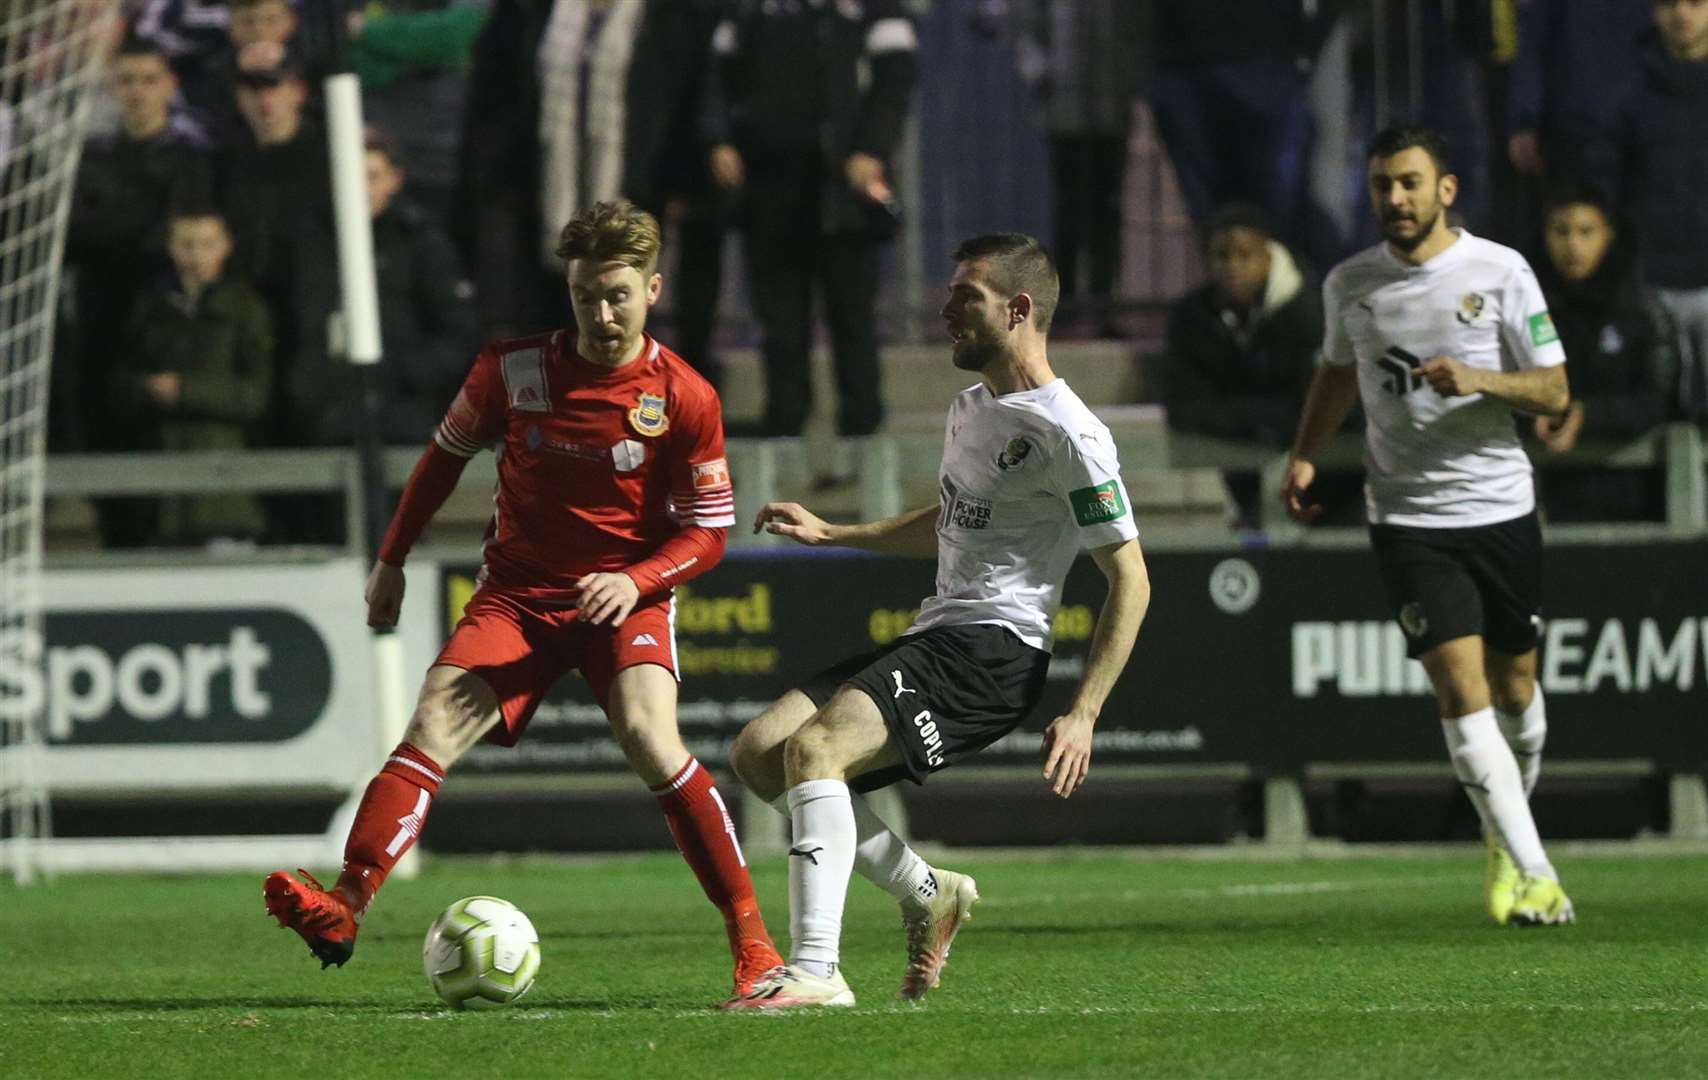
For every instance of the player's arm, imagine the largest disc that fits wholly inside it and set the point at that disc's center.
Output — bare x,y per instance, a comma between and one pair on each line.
1541,391
912,532
1534,376
472,422
1067,741
1333,392
702,503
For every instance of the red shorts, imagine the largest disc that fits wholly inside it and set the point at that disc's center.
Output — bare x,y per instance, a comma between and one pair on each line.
520,649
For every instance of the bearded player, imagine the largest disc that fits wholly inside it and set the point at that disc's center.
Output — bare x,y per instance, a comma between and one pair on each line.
1442,336
612,489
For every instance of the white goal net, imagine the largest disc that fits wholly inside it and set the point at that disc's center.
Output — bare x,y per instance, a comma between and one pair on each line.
51,61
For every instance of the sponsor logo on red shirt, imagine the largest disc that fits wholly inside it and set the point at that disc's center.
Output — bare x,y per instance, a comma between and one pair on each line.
711,474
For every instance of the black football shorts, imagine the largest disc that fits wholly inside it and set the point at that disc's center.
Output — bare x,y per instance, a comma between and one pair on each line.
1484,580
945,693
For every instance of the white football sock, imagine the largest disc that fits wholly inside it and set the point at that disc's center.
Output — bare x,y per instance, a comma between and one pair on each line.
1489,773
882,857
820,862
1526,732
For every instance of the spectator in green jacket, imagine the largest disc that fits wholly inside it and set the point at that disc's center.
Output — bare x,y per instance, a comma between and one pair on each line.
199,351
413,58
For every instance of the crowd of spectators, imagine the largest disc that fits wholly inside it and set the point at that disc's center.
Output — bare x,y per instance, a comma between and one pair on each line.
201,228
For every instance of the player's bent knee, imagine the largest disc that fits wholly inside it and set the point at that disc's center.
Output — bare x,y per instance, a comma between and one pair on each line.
758,762
744,756
810,754
1512,693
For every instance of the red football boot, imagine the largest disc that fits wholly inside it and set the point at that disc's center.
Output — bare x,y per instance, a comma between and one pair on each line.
323,918
756,960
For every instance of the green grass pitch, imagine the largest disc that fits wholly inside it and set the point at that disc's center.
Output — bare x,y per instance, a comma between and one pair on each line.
1087,964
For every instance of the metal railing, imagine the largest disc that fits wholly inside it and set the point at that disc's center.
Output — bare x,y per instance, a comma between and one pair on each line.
889,465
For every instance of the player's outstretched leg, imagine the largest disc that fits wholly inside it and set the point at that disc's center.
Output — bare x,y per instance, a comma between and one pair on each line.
931,926
390,817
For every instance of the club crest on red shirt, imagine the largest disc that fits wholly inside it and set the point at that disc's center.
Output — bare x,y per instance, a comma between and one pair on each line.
648,416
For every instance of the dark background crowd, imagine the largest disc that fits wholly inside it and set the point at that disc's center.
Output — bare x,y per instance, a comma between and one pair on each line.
201,310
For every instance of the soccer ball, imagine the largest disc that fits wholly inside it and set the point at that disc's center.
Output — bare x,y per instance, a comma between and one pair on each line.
481,953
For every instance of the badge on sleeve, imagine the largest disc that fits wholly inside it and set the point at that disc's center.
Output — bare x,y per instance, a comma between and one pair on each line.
648,417
1099,504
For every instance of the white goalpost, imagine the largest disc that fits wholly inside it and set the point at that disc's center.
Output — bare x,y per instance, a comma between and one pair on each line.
52,55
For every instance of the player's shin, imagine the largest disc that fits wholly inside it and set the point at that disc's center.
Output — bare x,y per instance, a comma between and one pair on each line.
882,857
705,834
1525,733
391,815
1489,773
821,858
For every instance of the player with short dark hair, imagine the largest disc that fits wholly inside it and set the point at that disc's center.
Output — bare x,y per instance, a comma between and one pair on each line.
1442,335
1029,478
612,489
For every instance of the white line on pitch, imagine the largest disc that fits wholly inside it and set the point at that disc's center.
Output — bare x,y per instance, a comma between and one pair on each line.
1263,888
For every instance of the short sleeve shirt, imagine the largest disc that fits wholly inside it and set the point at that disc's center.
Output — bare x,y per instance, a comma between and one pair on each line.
1433,461
1028,481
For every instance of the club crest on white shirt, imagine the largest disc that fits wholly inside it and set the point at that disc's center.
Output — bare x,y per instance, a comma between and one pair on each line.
1014,453
1470,307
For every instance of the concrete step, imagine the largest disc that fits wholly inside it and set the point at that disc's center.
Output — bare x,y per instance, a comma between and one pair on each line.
920,376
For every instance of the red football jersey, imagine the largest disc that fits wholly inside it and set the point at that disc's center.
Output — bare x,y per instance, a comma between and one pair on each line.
596,466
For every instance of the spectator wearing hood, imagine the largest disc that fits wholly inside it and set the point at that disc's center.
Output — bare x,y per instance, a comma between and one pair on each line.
1241,347
1620,345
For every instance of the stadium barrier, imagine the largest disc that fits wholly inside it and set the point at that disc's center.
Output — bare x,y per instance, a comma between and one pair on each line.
1267,658
202,684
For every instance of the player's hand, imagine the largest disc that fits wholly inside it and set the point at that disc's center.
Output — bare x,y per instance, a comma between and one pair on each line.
165,387
1297,480
384,593
728,170
794,521
1067,752
1560,433
1451,378
606,598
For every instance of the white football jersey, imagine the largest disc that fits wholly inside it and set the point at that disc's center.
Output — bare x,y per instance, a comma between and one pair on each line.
1028,480
1433,461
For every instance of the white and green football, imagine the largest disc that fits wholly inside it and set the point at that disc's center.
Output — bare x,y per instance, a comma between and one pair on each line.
481,953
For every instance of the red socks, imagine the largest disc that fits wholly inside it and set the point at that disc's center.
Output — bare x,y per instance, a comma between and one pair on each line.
393,810
706,837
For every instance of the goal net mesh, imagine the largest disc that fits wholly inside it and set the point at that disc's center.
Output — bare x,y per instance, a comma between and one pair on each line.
51,70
